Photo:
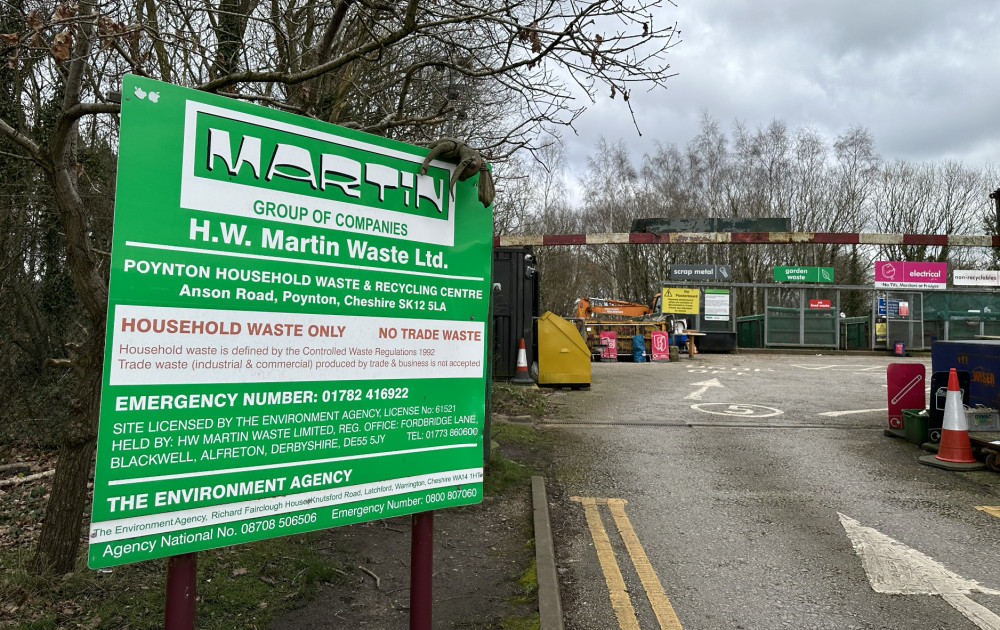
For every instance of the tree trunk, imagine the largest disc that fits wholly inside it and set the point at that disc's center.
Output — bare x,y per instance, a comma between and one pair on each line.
60,539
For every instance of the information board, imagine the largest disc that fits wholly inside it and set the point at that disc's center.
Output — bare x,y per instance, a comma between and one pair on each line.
296,330
717,305
680,301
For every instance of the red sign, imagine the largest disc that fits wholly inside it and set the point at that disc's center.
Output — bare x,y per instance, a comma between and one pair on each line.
609,345
907,382
661,345
819,303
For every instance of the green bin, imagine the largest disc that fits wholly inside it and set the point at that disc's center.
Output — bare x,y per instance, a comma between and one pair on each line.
915,423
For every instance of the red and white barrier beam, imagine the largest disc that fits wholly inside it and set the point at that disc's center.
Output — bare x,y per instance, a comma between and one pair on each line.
708,238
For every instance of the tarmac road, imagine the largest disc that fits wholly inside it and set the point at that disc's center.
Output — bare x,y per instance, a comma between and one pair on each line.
749,505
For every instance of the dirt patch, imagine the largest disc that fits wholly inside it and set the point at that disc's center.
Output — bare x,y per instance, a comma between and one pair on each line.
482,567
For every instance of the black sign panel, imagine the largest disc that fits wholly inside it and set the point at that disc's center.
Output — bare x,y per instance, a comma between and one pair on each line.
700,272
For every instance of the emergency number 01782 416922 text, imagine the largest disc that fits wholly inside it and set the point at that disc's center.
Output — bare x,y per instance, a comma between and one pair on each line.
380,393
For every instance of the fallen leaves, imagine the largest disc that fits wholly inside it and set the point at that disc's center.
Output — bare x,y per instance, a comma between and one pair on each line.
22,505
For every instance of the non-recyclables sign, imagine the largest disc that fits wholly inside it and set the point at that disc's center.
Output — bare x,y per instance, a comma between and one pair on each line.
974,278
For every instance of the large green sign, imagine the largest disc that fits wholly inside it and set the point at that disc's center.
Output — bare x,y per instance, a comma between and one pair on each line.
803,274
296,330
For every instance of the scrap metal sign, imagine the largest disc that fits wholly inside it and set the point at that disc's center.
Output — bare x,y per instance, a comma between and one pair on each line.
701,272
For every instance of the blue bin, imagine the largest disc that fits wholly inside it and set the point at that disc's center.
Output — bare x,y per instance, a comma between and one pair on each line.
638,348
980,358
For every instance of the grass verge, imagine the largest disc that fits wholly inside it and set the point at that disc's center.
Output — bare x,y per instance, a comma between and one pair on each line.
243,586
517,400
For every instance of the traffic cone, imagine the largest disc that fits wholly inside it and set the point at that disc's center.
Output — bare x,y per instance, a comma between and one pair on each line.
955,445
521,376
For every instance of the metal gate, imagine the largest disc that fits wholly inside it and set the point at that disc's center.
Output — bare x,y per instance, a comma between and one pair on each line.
802,317
905,319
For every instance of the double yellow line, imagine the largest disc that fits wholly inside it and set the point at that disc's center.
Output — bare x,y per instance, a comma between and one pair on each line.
620,601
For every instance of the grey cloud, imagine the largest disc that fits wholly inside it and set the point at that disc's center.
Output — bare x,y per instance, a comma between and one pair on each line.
919,74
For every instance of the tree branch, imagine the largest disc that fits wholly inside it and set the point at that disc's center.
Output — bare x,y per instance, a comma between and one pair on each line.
85,109
26,143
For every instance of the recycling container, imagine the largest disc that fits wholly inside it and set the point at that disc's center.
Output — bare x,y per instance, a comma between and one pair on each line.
563,355
916,425
638,349
980,358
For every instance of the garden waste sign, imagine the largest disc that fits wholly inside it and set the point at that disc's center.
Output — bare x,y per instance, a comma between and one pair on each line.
296,330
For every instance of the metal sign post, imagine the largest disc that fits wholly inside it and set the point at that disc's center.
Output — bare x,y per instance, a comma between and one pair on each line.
421,570
181,589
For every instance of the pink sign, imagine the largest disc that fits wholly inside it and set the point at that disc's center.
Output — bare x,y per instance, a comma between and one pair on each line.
661,345
897,274
907,382
609,345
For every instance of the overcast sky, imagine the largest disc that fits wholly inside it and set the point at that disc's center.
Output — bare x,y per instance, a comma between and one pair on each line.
923,76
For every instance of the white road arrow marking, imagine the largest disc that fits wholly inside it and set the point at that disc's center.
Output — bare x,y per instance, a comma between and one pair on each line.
696,395
834,414
842,367
895,569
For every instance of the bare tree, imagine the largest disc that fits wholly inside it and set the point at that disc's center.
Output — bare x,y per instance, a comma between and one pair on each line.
501,73
855,173
612,201
900,203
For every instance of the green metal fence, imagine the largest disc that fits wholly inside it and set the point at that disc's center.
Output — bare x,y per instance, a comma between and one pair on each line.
750,331
798,327
960,316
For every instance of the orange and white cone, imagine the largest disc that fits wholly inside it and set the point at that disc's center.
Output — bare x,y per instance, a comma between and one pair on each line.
955,446
521,376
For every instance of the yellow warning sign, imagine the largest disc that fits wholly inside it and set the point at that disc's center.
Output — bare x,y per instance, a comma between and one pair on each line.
681,301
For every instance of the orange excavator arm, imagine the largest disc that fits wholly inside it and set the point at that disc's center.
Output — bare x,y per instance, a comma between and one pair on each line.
587,307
